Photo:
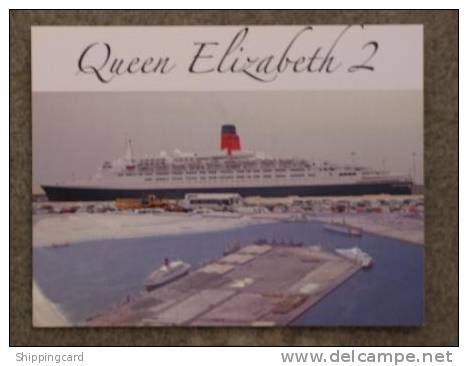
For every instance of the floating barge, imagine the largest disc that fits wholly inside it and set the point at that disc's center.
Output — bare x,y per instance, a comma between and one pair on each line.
257,285
343,228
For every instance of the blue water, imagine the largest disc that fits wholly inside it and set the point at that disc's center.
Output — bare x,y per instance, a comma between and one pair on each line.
87,278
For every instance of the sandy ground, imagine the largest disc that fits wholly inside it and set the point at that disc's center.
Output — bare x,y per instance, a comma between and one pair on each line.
45,312
389,225
80,227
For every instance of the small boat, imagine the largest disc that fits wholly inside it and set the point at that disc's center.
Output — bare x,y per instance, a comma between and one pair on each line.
343,228
168,272
357,255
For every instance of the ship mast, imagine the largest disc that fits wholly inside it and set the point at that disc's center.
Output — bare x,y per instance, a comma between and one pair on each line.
129,152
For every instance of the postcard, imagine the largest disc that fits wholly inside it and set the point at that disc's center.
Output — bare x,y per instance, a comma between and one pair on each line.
228,176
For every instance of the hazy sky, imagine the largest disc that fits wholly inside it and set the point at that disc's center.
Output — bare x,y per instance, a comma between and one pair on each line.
73,133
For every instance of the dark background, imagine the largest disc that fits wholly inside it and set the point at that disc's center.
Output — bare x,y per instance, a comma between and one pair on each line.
441,185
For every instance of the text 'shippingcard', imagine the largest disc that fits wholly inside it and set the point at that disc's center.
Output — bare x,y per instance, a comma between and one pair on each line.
228,176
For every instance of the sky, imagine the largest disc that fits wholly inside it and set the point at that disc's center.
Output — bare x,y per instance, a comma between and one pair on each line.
75,132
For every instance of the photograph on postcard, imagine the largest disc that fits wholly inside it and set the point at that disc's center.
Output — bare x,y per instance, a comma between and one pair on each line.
228,176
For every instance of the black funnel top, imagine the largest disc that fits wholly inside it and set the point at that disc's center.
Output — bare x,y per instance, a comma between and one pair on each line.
228,129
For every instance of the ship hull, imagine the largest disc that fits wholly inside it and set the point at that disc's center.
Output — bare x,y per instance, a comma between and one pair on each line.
63,193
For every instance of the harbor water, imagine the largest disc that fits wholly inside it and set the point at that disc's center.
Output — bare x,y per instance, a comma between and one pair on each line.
87,278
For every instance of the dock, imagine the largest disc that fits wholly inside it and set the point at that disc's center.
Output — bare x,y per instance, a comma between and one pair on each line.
257,285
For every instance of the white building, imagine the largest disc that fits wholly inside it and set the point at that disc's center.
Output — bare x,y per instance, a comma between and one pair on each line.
211,200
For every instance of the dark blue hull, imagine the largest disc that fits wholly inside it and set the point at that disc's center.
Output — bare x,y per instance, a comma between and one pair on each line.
61,193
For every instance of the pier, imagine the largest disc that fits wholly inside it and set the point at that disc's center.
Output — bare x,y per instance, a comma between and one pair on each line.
257,285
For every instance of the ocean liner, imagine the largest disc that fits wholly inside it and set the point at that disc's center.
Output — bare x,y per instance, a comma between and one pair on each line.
230,171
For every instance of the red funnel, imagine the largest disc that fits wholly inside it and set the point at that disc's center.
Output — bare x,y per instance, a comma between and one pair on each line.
230,141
